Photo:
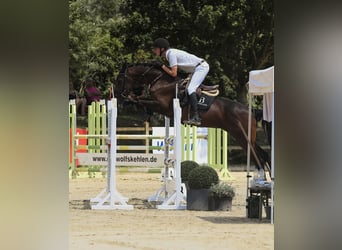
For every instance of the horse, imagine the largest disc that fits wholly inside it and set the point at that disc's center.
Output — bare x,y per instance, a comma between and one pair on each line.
150,86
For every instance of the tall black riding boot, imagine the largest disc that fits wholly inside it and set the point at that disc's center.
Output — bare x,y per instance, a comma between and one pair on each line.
195,120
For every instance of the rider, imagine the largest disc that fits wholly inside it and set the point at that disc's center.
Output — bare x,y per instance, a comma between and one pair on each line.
188,63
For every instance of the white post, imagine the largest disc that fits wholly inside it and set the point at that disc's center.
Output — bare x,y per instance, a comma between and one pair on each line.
73,140
110,198
248,145
272,162
177,199
178,153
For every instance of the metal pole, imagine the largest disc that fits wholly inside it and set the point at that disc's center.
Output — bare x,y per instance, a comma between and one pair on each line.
248,145
272,163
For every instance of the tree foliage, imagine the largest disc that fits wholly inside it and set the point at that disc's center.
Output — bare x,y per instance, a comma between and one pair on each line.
234,36
95,51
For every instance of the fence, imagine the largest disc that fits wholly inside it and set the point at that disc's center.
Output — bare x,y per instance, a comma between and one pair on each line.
90,148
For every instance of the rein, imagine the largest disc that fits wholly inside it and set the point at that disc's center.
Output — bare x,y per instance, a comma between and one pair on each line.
150,85
147,87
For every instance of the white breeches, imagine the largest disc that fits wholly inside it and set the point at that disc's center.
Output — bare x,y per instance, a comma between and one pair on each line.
198,76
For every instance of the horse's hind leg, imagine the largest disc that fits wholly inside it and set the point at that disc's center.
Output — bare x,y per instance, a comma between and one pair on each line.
265,158
252,144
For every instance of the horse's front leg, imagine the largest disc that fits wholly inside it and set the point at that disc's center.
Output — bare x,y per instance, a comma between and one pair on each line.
147,102
155,106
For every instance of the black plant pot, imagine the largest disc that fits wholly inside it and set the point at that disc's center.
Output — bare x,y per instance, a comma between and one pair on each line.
253,206
222,203
198,199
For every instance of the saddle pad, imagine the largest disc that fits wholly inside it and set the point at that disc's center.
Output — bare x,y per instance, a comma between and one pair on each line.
205,101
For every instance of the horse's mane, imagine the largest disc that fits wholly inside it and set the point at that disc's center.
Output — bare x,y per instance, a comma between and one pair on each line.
155,67
144,64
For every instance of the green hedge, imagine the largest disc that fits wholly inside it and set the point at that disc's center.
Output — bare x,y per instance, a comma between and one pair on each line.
202,177
186,167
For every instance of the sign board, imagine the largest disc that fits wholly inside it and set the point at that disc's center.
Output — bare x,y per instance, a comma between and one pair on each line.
122,159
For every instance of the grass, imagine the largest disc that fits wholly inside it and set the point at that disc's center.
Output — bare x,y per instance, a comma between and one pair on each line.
154,170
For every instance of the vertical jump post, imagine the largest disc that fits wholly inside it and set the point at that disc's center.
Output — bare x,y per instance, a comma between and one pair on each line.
177,199
174,197
109,198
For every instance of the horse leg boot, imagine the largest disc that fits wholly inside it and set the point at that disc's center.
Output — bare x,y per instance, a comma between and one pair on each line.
195,120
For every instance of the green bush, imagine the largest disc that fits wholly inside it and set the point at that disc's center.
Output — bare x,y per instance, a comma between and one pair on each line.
202,177
186,167
222,189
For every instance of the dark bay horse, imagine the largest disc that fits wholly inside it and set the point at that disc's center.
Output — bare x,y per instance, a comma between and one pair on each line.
152,87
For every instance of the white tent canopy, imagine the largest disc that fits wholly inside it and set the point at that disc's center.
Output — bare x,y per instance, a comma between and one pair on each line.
261,82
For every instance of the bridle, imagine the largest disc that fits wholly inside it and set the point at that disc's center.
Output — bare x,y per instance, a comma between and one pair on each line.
126,92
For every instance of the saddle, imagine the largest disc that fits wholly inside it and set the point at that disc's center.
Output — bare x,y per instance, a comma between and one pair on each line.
205,94
209,90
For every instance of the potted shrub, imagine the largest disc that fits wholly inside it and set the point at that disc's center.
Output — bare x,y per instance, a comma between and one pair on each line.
186,167
222,196
200,180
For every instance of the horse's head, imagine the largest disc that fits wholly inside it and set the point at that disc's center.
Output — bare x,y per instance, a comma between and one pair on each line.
134,79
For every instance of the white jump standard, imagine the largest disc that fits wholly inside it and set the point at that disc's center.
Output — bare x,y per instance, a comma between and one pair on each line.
174,197
110,198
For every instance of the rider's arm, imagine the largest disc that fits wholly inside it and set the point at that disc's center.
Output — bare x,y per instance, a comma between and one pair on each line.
171,71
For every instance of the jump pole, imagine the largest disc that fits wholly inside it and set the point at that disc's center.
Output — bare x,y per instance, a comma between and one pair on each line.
109,198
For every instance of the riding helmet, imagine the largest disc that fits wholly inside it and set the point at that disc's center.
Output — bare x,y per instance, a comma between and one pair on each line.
161,43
